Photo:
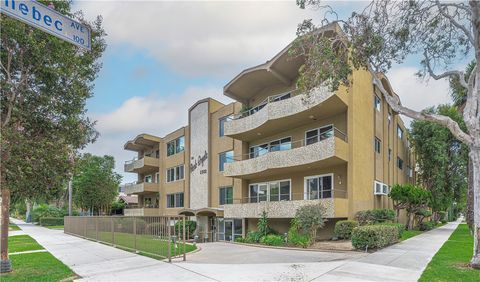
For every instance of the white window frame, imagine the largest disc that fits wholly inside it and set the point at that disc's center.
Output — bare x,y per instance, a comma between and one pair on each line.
174,174
384,188
378,106
219,159
305,187
226,118
157,177
148,177
268,189
401,130
174,141
318,131
269,146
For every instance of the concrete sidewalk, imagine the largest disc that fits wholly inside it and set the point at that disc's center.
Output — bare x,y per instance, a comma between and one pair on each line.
97,262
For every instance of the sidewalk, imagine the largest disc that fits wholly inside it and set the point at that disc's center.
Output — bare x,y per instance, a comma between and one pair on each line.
97,262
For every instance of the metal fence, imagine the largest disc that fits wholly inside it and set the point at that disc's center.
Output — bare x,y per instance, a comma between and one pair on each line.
152,235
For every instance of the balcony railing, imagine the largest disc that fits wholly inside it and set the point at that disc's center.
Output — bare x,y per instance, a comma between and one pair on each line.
335,193
268,100
269,148
146,161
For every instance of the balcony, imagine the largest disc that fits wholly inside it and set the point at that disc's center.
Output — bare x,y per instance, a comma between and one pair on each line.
142,165
330,150
142,212
141,187
276,114
334,207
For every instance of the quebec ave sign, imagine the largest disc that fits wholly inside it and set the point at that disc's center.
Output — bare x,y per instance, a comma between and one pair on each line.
48,20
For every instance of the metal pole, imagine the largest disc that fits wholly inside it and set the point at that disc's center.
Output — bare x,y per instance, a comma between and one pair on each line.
113,231
70,197
96,228
169,240
135,234
184,253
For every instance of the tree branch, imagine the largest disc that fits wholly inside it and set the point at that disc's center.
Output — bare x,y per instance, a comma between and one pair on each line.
455,23
459,74
394,102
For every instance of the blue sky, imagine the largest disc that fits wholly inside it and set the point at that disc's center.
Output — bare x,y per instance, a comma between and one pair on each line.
164,56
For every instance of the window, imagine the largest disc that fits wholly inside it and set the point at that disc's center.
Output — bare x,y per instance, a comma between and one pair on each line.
277,145
157,177
377,103
148,178
176,146
378,145
157,154
399,163
175,200
399,132
175,173
273,191
380,188
410,172
389,154
389,118
225,157
319,187
221,124
319,134
226,195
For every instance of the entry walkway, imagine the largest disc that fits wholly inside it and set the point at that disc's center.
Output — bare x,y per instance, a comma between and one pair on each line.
97,262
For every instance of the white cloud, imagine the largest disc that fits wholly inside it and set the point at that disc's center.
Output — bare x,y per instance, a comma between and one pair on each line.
201,38
154,114
416,93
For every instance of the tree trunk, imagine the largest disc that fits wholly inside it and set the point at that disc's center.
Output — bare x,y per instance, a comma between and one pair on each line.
28,215
5,265
475,159
409,220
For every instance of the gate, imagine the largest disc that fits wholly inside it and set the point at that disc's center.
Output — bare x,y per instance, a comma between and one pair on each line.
158,236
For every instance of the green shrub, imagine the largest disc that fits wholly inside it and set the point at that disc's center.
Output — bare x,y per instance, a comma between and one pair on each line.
190,227
425,226
295,237
51,221
273,240
310,218
240,240
374,236
253,237
442,215
375,216
344,228
443,221
45,210
400,227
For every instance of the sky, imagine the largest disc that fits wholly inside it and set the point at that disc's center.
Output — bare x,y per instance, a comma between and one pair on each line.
164,56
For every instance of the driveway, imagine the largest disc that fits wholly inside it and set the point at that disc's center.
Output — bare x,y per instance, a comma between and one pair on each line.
228,253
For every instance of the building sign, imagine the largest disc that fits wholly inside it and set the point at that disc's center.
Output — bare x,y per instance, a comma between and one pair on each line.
48,20
199,140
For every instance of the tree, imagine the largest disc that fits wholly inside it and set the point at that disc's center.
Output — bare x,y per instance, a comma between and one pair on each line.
45,82
386,33
95,184
310,218
442,159
411,198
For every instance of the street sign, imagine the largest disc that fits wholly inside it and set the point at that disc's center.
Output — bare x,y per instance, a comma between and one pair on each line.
42,17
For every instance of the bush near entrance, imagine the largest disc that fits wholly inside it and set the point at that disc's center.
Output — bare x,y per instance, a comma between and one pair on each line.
51,221
374,236
344,228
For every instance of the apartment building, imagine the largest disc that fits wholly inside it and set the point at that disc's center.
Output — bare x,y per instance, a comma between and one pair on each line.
274,149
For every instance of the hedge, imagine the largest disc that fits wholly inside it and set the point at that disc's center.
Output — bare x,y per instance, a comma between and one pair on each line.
374,236
400,227
273,240
344,228
51,221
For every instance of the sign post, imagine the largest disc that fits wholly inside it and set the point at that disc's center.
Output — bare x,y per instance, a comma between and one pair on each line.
46,19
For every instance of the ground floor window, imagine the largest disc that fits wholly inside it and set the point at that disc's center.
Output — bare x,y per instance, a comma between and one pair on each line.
229,229
319,187
270,191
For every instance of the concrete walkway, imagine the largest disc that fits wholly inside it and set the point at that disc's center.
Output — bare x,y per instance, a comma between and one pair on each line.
97,262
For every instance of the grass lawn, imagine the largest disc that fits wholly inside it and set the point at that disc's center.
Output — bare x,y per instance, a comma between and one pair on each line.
55,227
13,227
407,234
145,244
38,267
450,262
34,266
22,243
